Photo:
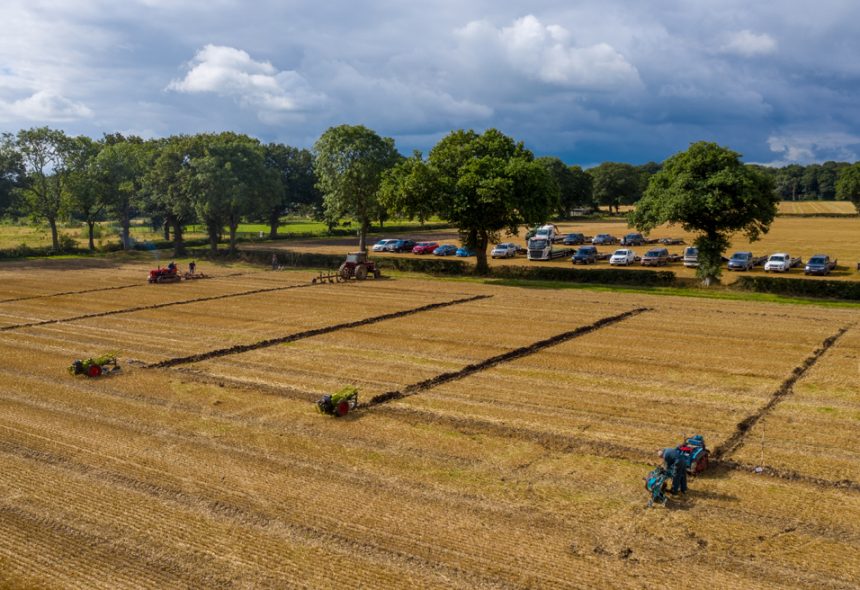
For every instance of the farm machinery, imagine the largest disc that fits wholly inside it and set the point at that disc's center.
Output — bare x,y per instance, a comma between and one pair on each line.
656,484
171,274
355,266
339,403
95,366
695,453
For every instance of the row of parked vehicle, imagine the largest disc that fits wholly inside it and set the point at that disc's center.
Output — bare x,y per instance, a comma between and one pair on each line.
400,245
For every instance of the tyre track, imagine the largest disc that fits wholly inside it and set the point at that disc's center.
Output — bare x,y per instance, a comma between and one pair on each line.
149,307
502,358
737,439
238,349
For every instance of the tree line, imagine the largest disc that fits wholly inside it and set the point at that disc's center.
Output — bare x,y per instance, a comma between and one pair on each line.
481,183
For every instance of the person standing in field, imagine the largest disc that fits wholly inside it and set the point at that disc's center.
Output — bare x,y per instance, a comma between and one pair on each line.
274,262
192,266
676,466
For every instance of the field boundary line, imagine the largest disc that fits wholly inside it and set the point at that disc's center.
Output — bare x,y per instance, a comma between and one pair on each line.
737,439
148,307
240,348
502,358
97,289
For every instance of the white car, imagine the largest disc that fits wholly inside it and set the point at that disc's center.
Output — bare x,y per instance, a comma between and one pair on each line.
507,250
623,257
779,262
381,245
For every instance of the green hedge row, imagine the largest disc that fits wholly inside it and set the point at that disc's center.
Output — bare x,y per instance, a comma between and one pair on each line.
801,287
605,276
332,261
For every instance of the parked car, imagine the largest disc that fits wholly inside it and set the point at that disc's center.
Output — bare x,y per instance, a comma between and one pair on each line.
633,240
604,239
584,255
425,247
573,239
655,257
741,261
382,245
819,264
623,257
401,246
465,252
691,257
506,250
445,250
780,262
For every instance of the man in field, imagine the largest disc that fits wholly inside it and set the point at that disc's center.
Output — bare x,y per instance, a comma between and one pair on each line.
676,466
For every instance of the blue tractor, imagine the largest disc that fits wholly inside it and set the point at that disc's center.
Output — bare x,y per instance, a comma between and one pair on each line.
695,454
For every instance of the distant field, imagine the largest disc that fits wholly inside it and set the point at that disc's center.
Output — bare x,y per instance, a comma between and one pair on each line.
521,473
821,207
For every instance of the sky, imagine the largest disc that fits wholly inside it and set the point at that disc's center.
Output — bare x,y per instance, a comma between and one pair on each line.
587,81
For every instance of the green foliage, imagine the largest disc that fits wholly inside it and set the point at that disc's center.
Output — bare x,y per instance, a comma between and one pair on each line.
119,168
710,192
615,184
295,185
409,189
11,172
344,394
848,186
848,290
349,163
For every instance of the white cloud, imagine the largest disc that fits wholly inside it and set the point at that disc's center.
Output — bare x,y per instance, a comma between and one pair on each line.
806,147
749,44
546,53
44,106
231,72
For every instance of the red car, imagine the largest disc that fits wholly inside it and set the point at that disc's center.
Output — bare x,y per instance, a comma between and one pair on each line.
424,247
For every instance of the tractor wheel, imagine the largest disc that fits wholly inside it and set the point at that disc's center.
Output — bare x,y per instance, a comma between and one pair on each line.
702,464
360,272
342,409
345,272
94,371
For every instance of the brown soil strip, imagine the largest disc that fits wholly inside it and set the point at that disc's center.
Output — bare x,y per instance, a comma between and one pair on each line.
734,442
240,348
502,358
791,475
96,290
148,307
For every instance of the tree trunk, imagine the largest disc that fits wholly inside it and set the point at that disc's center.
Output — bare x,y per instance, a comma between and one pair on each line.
166,230
362,236
178,242
90,230
126,232
55,238
481,242
213,231
274,222
234,225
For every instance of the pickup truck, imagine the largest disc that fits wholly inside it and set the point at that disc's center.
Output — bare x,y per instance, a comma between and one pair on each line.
744,261
819,264
623,257
585,255
655,257
781,262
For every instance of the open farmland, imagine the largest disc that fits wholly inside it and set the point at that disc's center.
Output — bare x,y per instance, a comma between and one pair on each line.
502,440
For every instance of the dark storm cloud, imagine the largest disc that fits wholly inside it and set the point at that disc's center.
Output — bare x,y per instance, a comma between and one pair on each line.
588,81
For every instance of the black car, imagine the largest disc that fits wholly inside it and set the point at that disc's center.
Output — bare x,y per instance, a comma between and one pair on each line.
403,246
585,255
573,239
633,240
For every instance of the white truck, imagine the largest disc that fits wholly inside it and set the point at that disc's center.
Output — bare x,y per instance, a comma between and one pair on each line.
781,262
542,245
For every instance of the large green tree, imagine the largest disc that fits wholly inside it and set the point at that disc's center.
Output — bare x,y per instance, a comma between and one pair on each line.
482,183
615,184
848,185
11,172
349,163
119,167
44,153
574,186
708,190
83,186
294,169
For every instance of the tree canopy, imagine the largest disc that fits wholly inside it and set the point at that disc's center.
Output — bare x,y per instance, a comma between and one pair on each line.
615,184
848,187
349,164
709,191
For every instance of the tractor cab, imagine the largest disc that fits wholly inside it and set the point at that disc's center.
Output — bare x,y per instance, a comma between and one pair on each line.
357,257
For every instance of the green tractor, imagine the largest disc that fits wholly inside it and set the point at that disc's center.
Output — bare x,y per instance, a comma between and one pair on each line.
339,403
95,366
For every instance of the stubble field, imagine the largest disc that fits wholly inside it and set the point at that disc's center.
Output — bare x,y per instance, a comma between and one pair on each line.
501,442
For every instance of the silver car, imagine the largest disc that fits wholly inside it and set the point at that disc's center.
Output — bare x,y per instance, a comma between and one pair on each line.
506,250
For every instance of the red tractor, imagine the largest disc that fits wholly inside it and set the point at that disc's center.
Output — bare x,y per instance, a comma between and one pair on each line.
165,275
357,265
